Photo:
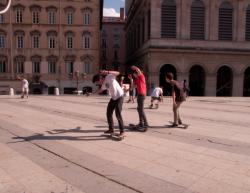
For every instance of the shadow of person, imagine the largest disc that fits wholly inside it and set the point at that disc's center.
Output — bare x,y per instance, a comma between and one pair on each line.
56,135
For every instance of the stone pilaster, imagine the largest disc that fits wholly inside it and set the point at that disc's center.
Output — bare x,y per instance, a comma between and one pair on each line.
238,83
210,89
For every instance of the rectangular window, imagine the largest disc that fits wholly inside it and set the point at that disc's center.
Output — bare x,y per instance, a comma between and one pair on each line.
19,67
2,41
69,42
87,69
69,66
52,42
35,41
19,16
1,18
52,17
19,41
86,19
2,66
35,17
70,18
52,67
86,42
36,67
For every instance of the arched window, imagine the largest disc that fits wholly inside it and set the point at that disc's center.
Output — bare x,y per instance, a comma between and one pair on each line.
197,20
87,15
69,14
19,38
52,35
2,39
19,64
35,10
51,14
86,36
52,60
35,39
226,21
168,19
247,36
69,39
36,64
19,9
3,64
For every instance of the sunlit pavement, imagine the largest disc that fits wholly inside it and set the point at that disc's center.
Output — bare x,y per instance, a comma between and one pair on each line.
55,144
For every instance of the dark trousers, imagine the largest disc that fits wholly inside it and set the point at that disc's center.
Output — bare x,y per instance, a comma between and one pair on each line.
140,109
115,105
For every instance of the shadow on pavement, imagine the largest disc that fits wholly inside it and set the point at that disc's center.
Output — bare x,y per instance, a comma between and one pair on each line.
53,135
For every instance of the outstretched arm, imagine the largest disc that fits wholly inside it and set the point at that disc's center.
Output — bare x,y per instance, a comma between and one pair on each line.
135,68
105,72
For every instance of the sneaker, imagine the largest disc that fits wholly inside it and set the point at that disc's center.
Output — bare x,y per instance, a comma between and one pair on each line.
108,132
142,129
150,106
179,122
174,125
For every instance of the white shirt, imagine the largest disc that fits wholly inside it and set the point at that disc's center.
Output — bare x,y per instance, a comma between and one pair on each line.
111,84
157,92
25,84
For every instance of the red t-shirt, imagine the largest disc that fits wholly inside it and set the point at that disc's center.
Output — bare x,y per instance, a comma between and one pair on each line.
141,85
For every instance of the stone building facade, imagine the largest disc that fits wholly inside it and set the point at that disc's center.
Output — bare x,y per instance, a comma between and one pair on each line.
206,42
51,39
113,47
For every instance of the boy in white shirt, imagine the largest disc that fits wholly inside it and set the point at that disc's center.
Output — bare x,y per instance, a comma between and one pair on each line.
25,87
115,104
157,95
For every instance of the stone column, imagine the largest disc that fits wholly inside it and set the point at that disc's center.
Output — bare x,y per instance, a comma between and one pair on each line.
238,84
211,82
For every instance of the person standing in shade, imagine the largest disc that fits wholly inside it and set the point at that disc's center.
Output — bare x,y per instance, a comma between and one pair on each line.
25,87
157,95
108,81
178,97
140,84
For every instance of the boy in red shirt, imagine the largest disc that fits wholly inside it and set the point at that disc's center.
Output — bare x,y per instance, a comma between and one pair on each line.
141,87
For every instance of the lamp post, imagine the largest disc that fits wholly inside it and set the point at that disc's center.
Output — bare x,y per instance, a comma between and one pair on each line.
78,77
5,9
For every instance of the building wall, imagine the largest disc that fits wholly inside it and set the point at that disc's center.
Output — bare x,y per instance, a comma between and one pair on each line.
78,54
113,43
154,51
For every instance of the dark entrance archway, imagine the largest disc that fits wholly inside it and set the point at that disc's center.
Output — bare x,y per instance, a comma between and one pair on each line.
224,81
246,88
163,71
197,80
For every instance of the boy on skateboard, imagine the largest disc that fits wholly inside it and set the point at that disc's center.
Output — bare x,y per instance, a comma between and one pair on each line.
25,87
178,97
108,81
157,95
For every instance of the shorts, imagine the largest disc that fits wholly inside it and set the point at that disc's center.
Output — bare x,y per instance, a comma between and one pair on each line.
25,90
156,98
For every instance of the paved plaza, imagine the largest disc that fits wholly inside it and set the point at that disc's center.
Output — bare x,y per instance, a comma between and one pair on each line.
55,144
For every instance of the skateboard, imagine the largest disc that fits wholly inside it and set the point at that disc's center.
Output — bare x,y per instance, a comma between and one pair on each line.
134,127
182,126
115,136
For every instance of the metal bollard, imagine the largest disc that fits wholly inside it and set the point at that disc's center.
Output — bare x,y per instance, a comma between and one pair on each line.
11,93
57,92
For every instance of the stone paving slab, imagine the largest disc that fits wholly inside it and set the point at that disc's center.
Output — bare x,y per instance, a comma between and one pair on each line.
56,144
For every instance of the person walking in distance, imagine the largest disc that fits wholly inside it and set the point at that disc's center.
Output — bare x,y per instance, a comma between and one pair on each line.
141,87
157,95
108,81
25,87
178,97
131,89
